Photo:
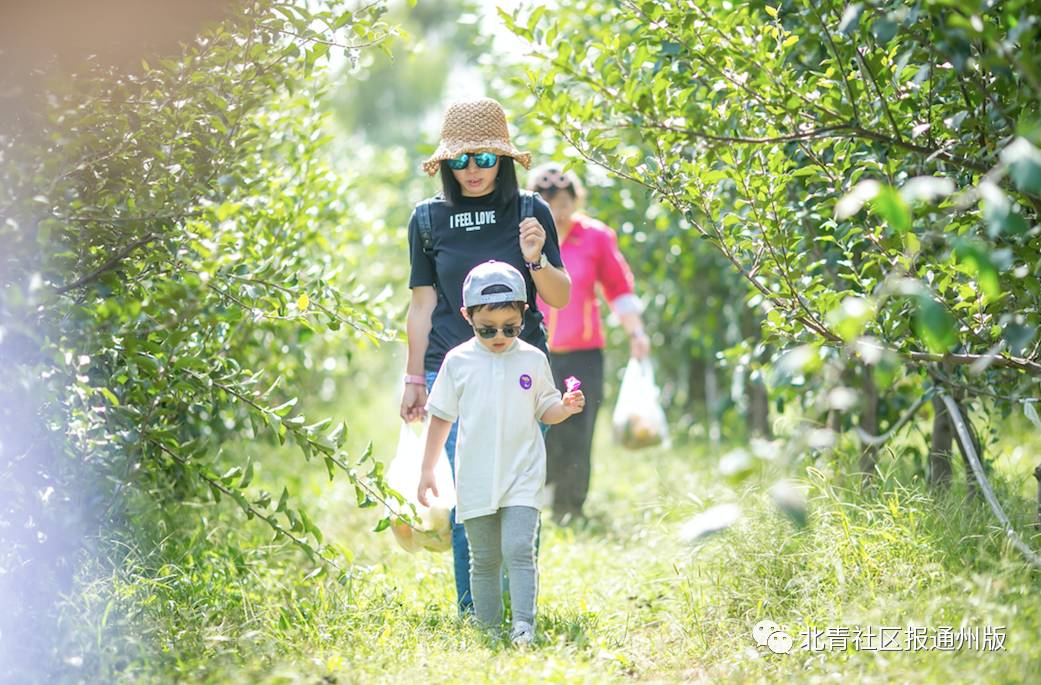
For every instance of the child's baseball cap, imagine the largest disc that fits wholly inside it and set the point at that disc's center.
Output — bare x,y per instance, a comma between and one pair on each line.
491,273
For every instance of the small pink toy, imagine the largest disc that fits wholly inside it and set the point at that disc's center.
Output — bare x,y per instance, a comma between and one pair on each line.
572,384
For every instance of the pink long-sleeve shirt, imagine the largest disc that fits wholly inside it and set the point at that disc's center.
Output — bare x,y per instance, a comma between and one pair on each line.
590,255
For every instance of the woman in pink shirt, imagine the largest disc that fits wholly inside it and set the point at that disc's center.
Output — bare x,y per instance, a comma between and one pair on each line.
589,250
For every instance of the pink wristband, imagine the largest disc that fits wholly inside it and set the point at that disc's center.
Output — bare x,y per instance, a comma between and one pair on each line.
415,380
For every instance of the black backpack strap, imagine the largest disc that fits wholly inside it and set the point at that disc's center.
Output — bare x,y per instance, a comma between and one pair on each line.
527,204
426,231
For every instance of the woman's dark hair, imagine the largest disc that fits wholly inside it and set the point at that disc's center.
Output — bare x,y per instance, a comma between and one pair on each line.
505,182
550,180
548,194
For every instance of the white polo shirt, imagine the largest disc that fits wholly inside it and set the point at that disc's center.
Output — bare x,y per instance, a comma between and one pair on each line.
498,398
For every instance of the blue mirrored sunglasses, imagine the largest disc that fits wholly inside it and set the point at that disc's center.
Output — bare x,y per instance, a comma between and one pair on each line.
484,160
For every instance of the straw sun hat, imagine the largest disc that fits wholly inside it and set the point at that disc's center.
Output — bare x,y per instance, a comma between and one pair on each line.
471,126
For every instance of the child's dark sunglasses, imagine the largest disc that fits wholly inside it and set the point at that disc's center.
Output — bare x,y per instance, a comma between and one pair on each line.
484,160
489,332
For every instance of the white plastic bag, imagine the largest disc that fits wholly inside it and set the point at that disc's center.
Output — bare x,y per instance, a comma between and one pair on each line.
433,530
638,419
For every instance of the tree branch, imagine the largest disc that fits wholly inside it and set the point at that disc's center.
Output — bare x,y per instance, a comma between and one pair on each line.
344,46
838,61
969,450
822,132
1021,364
940,152
876,440
112,263
268,519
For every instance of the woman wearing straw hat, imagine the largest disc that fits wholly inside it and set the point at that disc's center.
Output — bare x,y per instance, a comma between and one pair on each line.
576,340
476,217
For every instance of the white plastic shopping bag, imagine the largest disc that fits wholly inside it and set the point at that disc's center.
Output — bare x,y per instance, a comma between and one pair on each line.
433,528
638,419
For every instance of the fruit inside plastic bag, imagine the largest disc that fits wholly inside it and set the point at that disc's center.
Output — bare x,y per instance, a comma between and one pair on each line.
432,529
638,419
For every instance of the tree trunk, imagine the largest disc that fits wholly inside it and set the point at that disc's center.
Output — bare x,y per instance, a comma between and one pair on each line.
940,447
1037,474
695,383
972,489
758,409
869,422
834,421
712,400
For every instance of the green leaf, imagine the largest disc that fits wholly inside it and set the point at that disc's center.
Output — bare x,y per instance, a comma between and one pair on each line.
263,500
850,317
226,209
933,325
382,525
190,362
1019,337
850,18
364,501
884,29
243,504
999,215
309,526
283,500
231,474
536,14
110,396
247,475
338,435
854,200
974,254
285,407
1024,164
295,524
891,207
926,189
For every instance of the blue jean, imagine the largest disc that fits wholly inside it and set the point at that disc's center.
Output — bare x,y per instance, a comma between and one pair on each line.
460,547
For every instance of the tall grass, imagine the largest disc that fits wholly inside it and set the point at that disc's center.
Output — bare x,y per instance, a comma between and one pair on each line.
194,599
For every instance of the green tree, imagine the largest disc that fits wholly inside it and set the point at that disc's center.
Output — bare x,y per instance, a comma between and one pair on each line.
870,171
393,97
177,251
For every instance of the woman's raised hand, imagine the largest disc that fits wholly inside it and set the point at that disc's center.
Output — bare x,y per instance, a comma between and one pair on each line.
532,238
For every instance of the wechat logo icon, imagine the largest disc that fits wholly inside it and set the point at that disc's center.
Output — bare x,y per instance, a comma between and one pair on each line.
768,634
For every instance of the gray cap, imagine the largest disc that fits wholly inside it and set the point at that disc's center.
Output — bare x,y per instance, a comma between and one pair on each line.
490,273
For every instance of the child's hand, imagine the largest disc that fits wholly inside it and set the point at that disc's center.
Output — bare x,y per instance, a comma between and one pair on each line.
426,482
574,402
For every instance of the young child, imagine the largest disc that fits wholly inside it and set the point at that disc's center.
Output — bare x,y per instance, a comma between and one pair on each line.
499,388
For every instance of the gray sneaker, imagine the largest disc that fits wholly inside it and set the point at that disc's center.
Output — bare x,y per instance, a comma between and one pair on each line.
523,633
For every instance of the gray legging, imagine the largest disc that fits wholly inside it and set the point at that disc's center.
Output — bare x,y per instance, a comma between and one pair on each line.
505,537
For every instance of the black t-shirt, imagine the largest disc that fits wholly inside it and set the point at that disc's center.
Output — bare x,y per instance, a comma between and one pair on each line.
464,235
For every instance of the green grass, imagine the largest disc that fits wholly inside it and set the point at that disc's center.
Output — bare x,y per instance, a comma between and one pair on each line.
202,596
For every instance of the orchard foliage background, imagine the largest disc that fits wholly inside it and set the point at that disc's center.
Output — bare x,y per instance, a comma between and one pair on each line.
179,262
869,171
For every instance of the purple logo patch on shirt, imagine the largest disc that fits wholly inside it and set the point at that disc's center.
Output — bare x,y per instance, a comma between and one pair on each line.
525,381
